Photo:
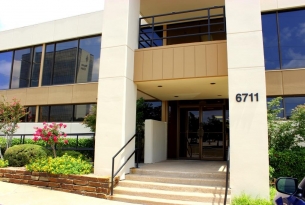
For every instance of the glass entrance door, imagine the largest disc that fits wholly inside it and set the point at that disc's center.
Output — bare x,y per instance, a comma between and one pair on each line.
201,132
212,122
189,146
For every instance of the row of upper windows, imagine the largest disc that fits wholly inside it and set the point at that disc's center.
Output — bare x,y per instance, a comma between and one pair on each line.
284,39
75,61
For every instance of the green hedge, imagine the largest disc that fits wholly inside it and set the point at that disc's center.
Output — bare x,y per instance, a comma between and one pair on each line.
20,155
288,163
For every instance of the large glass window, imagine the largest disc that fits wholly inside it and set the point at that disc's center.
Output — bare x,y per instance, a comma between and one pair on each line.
21,68
291,103
64,113
26,67
63,60
61,113
284,39
88,59
5,69
270,37
292,38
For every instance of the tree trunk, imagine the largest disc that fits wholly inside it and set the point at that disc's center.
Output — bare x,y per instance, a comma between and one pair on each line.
54,151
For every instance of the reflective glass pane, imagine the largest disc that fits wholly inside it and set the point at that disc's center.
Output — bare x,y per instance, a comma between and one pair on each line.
30,117
291,103
61,113
48,65
5,69
292,38
21,68
88,59
65,62
270,37
36,66
281,114
152,110
43,114
81,111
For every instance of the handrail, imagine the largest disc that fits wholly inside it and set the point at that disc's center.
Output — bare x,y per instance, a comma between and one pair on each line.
227,176
113,158
150,38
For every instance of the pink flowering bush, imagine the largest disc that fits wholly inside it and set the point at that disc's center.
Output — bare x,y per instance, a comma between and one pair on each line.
51,133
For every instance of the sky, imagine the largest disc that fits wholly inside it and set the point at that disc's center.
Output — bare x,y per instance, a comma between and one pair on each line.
20,13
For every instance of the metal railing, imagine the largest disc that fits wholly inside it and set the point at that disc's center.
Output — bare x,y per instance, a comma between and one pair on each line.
148,32
113,158
227,176
77,135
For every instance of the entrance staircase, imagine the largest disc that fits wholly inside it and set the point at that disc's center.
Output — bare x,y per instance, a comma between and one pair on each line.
149,186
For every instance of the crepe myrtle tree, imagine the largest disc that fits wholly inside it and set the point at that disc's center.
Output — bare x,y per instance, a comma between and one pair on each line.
10,115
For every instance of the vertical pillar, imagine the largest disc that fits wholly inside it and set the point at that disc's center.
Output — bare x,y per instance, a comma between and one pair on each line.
248,118
116,104
164,111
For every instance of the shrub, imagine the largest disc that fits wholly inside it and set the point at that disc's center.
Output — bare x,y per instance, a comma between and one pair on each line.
60,165
288,163
3,163
71,153
20,155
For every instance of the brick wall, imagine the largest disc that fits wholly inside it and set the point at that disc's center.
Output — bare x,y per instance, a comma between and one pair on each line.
88,185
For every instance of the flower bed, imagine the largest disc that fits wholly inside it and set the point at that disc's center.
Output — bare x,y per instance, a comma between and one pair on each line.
88,185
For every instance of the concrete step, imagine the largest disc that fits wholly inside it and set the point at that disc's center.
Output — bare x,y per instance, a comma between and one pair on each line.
152,201
173,180
176,174
173,187
170,195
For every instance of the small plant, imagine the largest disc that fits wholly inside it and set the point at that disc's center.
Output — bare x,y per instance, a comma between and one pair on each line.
51,134
3,163
20,155
60,165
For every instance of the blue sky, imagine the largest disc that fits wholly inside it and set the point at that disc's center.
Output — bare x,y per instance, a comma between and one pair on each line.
20,13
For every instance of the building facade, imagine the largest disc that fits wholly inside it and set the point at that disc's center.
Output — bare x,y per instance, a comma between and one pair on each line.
212,65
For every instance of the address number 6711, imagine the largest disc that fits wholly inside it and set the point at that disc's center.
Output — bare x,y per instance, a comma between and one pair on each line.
242,97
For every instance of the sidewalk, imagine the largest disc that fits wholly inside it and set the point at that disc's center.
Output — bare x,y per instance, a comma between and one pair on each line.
16,194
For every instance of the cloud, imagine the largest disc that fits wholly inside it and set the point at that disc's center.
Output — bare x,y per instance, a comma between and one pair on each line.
95,70
297,59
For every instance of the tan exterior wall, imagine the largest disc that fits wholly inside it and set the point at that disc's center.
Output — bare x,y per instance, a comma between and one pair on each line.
285,82
52,95
191,60
269,5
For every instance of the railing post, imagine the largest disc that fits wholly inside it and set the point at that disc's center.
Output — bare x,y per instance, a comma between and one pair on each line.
152,31
139,33
76,141
209,26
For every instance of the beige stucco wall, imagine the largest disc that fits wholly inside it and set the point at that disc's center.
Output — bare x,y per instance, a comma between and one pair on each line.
269,5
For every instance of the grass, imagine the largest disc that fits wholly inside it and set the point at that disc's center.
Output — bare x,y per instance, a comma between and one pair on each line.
245,199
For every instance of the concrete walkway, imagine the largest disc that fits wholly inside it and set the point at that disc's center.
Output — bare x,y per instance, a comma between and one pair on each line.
16,194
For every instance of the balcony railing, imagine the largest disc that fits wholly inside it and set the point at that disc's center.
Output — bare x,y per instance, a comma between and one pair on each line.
202,24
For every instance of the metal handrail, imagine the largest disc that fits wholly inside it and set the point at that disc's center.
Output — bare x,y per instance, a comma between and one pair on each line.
149,41
227,176
113,158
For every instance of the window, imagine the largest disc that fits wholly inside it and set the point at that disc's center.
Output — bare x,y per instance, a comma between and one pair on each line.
26,67
64,59
288,103
284,44
30,117
63,113
152,110
5,69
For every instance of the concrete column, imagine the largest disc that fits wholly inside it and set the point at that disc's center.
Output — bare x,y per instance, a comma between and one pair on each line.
248,119
116,103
